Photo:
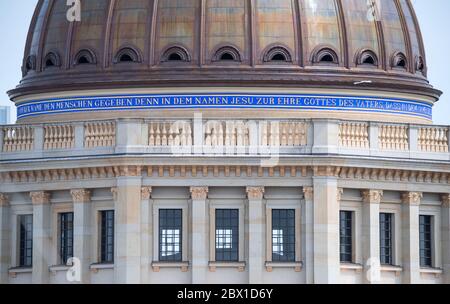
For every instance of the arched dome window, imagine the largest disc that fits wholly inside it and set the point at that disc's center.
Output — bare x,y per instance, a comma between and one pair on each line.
367,58
52,59
30,64
326,56
176,54
420,64
85,57
399,61
128,55
277,54
228,54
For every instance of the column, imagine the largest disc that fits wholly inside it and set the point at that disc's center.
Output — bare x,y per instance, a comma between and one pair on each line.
127,266
446,237
410,237
146,233
308,233
5,238
326,226
82,233
256,232
199,246
371,235
42,244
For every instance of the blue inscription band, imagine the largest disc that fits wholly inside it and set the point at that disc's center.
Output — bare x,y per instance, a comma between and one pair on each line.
250,101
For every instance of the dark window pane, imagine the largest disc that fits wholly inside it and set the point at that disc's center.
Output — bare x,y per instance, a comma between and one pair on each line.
26,241
66,236
107,237
426,238
283,235
386,238
170,235
346,236
227,235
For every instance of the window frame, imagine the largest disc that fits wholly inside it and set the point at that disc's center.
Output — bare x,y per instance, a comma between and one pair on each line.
353,234
276,204
234,235
101,214
180,236
20,263
392,238
64,259
431,241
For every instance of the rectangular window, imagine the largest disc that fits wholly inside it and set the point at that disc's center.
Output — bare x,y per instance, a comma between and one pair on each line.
227,235
65,237
346,236
283,235
107,237
426,241
386,239
170,235
26,241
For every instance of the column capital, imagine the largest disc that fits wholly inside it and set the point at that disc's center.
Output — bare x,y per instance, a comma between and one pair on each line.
340,192
412,198
146,193
81,195
40,198
199,193
255,193
4,200
372,196
308,192
445,200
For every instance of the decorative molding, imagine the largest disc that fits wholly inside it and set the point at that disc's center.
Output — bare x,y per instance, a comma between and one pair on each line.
40,198
445,200
372,196
255,193
308,193
146,193
326,171
130,171
4,200
412,198
81,195
199,193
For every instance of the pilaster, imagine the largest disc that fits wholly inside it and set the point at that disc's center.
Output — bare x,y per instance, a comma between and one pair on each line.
127,262
446,237
410,236
5,238
42,244
199,247
82,230
146,233
308,233
371,235
326,226
256,218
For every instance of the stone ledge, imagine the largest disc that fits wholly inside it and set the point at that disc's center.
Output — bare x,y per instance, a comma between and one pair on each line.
184,266
391,268
59,268
437,272
95,268
297,266
13,272
358,268
239,265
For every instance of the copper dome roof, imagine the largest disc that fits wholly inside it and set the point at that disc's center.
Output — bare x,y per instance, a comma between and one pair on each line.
155,43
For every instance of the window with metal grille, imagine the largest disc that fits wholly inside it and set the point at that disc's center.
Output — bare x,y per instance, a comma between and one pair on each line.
65,237
346,236
107,236
170,235
283,235
227,235
386,239
26,241
426,241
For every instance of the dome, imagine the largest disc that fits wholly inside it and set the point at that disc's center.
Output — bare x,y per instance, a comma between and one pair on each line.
225,43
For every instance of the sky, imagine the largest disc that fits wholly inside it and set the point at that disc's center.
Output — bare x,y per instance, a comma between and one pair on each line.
434,18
